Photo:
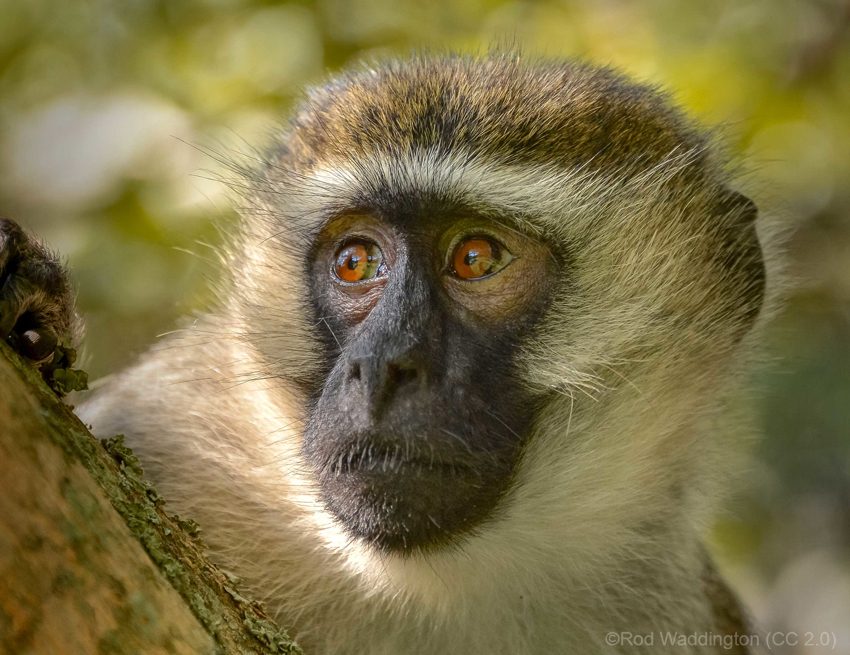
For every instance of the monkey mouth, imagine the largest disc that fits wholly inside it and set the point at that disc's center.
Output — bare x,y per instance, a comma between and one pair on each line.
378,462
406,501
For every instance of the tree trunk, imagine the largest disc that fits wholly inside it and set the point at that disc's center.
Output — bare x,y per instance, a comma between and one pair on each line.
90,563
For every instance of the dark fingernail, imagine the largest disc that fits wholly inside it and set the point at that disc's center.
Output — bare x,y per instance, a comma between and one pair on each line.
37,345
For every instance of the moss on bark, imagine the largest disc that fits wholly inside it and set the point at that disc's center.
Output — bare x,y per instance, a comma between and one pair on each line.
89,558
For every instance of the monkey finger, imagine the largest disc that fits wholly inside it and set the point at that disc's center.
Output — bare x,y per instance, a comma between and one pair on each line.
21,313
37,344
34,292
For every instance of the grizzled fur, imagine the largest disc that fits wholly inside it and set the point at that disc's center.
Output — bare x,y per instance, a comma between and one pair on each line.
651,322
549,113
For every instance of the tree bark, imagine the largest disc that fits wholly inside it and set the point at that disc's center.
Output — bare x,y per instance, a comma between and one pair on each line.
90,563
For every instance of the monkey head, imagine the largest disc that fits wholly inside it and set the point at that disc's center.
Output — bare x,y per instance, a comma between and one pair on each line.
507,292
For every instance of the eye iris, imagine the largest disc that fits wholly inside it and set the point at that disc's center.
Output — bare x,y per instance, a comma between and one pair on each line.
356,262
474,259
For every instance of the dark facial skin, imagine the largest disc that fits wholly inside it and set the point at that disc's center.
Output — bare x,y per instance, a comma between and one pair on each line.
419,426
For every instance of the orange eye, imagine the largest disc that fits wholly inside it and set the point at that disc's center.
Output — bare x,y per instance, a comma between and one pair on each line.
479,257
358,261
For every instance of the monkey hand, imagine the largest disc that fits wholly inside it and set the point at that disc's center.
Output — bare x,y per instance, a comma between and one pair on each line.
36,301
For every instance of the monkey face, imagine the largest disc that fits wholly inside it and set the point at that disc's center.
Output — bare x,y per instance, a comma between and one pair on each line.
417,430
495,292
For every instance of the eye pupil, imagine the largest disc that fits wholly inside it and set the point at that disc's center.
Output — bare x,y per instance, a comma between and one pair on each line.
479,257
357,261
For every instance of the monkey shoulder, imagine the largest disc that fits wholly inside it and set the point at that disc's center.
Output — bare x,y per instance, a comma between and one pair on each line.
184,404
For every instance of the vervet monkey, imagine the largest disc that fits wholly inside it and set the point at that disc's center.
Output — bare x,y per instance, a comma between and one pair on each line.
461,394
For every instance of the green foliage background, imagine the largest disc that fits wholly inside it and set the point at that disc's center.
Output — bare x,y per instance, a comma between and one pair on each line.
101,99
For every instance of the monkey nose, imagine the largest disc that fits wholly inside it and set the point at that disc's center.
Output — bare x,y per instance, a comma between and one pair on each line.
382,382
389,376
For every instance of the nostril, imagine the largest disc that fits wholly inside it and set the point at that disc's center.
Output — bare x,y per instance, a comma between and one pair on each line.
354,371
399,375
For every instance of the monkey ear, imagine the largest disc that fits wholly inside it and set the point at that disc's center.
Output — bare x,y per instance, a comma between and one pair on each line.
737,204
742,255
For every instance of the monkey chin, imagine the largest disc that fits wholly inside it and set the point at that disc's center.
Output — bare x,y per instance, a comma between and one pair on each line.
408,504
